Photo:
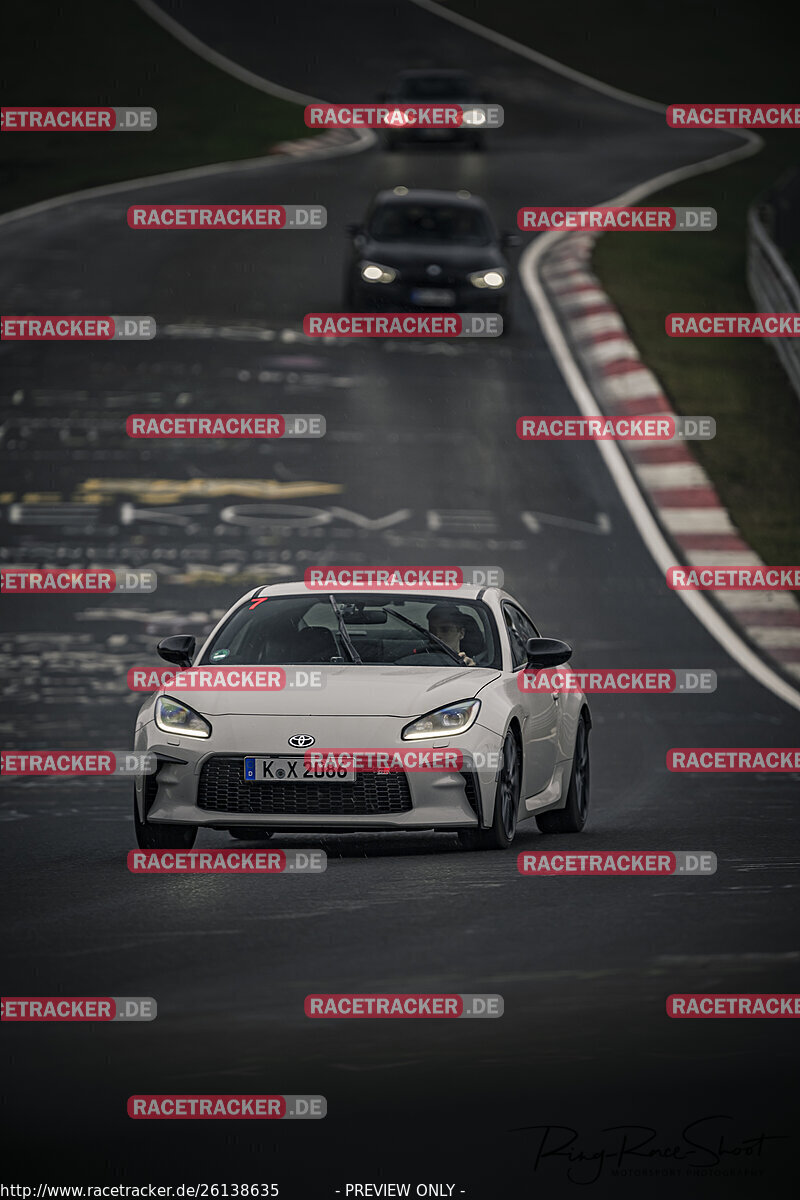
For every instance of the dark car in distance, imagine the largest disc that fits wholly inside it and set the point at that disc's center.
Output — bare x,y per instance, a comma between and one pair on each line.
434,87
420,249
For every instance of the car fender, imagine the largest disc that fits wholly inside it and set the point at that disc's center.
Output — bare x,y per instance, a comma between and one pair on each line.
571,705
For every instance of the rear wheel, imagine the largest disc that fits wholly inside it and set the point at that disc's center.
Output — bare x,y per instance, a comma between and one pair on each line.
572,818
162,837
250,833
506,804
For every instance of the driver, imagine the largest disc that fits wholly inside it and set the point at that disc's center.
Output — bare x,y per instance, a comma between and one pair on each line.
446,623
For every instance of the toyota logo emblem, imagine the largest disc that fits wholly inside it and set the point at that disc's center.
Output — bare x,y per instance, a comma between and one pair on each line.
301,740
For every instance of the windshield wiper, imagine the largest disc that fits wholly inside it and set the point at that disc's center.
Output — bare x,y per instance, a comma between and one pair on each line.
430,636
351,650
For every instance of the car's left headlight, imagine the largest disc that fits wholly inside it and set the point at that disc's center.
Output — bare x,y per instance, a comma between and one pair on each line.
492,277
376,273
444,722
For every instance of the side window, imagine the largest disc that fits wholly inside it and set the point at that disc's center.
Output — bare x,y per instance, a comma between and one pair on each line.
520,628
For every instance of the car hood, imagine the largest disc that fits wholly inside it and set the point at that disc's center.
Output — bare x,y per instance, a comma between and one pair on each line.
443,254
349,691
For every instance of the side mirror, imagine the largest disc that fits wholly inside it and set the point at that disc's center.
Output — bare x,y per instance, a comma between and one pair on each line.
509,239
178,650
546,652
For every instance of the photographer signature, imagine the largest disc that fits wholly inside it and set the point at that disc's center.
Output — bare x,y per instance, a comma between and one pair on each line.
706,1142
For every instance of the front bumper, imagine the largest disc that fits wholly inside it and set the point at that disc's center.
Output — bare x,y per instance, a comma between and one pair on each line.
201,782
397,297
455,133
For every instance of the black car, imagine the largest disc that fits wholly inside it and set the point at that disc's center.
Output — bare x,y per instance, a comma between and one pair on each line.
420,249
434,87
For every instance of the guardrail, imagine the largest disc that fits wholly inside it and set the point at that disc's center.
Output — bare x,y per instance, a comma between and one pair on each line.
772,285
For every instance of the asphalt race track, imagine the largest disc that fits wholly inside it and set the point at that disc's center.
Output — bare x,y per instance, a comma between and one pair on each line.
420,465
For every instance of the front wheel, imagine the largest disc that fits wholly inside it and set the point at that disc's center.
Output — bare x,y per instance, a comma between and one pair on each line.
162,837
572,818
506,804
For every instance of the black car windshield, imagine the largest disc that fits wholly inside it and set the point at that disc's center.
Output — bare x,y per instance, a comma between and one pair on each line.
436,87
301,630
458,223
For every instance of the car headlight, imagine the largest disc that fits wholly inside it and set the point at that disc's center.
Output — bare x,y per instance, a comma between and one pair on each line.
174,717
444,722
494,277
376,273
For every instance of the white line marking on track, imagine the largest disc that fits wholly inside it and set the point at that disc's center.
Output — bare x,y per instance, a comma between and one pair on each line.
558,68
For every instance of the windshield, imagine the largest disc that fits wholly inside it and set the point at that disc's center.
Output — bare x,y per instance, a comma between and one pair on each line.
430,223
295,630
436,87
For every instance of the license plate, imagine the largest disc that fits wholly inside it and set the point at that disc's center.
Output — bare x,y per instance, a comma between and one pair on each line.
433,296
282,770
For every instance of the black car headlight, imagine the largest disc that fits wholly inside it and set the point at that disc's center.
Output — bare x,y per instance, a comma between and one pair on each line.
443,722
173,716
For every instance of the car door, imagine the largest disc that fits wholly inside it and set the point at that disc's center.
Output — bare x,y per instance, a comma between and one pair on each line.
540,723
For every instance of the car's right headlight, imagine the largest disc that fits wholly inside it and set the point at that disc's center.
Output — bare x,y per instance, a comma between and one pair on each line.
376,273
172,716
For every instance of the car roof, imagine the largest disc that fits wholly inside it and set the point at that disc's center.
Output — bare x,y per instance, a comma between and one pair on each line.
427,196
298,588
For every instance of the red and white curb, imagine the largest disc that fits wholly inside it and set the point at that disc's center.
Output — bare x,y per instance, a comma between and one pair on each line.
680,493
305,147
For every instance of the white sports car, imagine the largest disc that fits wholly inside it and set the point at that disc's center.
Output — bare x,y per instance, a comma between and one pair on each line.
397,671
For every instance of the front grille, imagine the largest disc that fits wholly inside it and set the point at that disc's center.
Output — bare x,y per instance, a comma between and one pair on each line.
419,278
223,789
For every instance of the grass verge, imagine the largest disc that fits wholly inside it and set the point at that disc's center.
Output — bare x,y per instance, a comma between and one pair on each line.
95,54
